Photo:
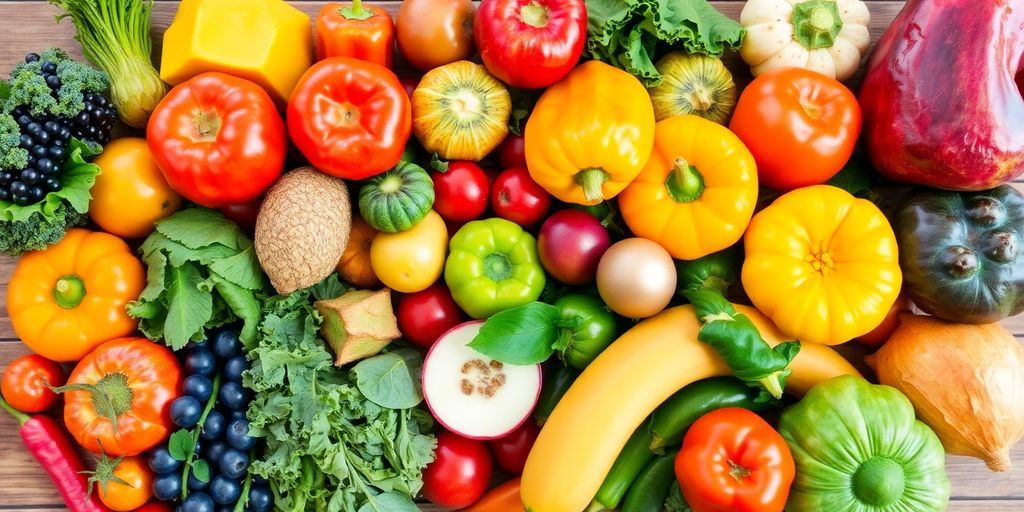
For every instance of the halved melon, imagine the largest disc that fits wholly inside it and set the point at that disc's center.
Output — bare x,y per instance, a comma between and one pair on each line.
473,395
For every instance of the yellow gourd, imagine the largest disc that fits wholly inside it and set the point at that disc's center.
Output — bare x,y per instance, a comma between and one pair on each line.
611,398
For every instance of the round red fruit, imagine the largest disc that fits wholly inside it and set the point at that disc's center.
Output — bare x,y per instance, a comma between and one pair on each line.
459,474
510,452
570,246
26,382
516,197
511,152
460,193
425,315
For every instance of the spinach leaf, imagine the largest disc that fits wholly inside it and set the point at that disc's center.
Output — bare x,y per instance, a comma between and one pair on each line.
388,381
188,308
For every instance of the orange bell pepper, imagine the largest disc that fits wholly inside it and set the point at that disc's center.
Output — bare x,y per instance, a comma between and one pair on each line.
356,31
697,192
503,498
69,298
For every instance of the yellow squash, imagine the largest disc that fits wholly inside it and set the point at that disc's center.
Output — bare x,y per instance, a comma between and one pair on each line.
590,134
613,396
822,264
266,41
697,192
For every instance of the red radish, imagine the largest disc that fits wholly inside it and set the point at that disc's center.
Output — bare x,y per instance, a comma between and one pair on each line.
473,395
570,245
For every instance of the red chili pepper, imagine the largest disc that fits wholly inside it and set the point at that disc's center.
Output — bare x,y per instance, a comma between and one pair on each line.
50,445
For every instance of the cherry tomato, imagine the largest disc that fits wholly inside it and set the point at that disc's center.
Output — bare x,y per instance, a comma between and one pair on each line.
24,383
460,472
460,193
243,214
879,335
801,126
510,451
511,152
516,197
424,316
135,472
432,33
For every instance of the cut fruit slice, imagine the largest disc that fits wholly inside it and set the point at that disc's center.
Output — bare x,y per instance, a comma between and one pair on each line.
473,395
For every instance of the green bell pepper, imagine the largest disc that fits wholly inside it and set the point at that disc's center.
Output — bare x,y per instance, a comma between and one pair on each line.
493,266
858,448
594,328
960,253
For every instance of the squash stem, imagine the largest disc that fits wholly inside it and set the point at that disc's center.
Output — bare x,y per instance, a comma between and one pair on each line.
592,181
816,23
684,183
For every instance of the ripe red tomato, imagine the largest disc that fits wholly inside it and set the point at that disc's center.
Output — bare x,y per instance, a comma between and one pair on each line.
460,472
510,452
879,335
425,315
516,197
460,193
511,152
24,383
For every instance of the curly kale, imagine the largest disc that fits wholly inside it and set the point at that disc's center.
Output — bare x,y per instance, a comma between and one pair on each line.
12,155
38,232
28,87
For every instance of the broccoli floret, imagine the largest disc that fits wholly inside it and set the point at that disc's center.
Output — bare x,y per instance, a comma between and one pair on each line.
28,87
12,156
36,232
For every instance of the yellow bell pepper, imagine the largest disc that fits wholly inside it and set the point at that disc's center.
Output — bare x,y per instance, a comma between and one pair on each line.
265,41
590,134
822,264
697,192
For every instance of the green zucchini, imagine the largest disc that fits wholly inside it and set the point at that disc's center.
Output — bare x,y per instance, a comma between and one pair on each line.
630,462
652,485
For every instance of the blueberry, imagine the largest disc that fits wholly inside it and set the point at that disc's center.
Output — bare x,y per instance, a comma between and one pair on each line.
24,120
233,396
30,176
260,498
36,194
185,411
238,435
201,361
197,502
31,57
234,368
226,344
260,481
198,386
213,427
65,134
5,194
167,487
51,127
195,484
215,451
224,490
52,183
53,82
82,119
42,138
237,414
34,128
56,153
161,462
46,166
5,178
49,68
25,141
203,343
18,188
233,463
38,151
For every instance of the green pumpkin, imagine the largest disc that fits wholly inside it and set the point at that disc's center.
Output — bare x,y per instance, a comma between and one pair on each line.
398,199
858,448
960,253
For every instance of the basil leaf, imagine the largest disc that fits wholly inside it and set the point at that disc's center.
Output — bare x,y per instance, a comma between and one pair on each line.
387,380
180,445
522,335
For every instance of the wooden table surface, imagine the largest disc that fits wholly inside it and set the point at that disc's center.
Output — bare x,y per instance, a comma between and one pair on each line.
29,26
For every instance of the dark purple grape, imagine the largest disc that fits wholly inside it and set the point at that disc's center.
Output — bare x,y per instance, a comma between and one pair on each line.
25,141
82,119
56,153
5,195
48,68
52,183
53,82
31,57
36,194
24,120
42,138
30,176
18,188
46,166
5,178
38,151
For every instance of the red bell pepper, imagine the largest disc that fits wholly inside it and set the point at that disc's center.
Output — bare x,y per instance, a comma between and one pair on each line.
48,443
218,139
364,33
350,118
734,461
530,43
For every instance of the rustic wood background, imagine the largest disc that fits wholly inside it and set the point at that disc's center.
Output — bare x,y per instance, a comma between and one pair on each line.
29,26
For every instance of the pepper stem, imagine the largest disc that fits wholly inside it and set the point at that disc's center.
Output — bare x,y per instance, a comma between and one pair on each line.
738,472
592,181
207,125
497,267
18,415
684,183
69,291
355,11
534,15
816,23
773,382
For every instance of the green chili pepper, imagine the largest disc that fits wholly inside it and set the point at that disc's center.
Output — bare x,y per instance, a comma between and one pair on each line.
652,485
630,462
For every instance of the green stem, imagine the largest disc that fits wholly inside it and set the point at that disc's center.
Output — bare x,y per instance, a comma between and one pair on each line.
243,499
69,291
534,15
591,181
684,182
355,11
18,415
775,383
198,431
816,23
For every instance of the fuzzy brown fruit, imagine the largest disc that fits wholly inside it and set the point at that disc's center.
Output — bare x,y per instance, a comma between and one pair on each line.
302,229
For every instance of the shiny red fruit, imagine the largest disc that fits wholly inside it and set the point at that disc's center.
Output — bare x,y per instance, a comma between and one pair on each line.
460,472
510,452
425,315
516,197
511,152
460,193
570,245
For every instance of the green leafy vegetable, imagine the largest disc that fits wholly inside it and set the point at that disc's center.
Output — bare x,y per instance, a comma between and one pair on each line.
627,33
328,446
36,226
28,88
675,501
523,335
201,272
115,36
389,380
735,337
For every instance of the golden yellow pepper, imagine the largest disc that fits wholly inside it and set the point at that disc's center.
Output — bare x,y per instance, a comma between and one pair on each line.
697,192
822,264
590,134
